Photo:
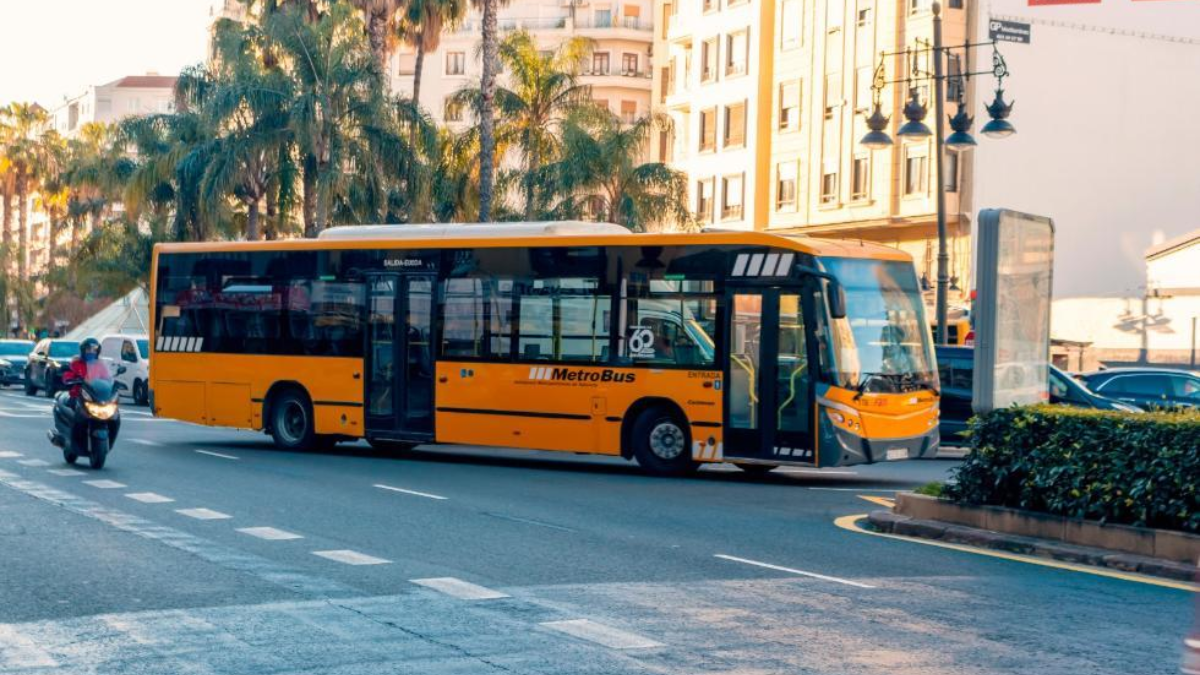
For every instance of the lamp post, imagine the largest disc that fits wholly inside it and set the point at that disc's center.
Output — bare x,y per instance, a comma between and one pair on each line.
959,141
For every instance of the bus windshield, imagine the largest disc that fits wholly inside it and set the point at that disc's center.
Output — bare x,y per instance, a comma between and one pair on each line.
883,344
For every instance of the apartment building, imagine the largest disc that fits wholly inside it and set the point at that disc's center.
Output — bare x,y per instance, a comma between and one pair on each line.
618,69
769,100
128,96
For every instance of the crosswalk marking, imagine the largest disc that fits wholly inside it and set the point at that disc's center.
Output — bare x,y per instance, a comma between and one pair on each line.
599,633
463,590
104,484
9,454
351,557
203,514
149,498
269,533
67,472
33,462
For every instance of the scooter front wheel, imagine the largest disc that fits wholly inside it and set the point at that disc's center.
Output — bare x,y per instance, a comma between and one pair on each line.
99,453
70,457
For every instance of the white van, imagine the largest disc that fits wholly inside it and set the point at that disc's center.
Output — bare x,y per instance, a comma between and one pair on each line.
133,352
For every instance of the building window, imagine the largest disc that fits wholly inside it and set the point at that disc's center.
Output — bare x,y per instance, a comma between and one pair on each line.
709,5
454,110
708,130
629,64
731,197
406,64
829,184
956,4
631,16
708,60
600,63
735,125
864,17
704,201
737,52
667,79
915,6
603,18
833,93
834,9
601,103
785,186
134,105
456,63
790,24
863,78
950,167
628,112
789,106
860,179
916,171
954,80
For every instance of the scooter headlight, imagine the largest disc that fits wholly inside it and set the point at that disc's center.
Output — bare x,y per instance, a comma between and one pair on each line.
100,411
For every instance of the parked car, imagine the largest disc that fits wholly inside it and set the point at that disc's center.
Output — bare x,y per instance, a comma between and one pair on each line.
13,356
47,362
1147,386
956,369
132,352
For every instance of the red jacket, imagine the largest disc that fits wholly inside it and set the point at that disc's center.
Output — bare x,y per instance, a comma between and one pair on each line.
79,372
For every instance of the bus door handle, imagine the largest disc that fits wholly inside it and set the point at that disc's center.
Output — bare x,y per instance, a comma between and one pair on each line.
443,379
358,376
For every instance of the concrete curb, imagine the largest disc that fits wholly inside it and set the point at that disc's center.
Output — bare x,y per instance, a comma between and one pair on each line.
892,523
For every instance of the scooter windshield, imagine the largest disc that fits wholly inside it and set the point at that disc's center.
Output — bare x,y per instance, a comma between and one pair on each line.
99,381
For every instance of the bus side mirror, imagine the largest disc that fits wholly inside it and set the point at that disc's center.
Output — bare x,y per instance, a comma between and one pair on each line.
837,300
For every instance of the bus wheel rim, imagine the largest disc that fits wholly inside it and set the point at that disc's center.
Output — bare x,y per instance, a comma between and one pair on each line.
294,421
666,440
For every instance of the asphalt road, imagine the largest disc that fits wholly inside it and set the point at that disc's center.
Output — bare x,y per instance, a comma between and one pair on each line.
208,551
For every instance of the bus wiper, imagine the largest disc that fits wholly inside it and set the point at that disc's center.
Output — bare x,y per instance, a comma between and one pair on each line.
862,384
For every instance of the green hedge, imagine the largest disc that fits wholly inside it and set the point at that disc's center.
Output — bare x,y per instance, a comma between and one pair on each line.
1136,469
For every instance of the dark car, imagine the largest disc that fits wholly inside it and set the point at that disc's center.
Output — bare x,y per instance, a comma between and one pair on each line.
1147,387
13,356
47,362
956,369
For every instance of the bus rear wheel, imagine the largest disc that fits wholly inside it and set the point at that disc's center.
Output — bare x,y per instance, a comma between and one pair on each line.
660,443
292,426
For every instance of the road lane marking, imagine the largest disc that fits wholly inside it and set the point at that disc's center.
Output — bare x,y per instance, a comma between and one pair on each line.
528,521
20,416
463,590
216,454
853,489
203,514
143,441
410,492
789,570
33,462
608,636
9,454
269,533
104,484
851,523
22,652
149,498
351,557
882,501
817,472
67,472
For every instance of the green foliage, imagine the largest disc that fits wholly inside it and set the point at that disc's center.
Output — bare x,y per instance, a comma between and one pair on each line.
1137,469
933,489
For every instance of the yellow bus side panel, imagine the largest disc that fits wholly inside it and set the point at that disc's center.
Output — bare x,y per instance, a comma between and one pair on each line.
562,407
227,389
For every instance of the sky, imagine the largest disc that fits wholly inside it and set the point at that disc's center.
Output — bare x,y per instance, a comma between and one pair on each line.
51,49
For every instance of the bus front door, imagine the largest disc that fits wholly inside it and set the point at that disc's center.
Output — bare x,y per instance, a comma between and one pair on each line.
399,386
768,398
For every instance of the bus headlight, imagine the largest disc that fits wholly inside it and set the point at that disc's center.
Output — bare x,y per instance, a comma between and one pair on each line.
844,420
100,411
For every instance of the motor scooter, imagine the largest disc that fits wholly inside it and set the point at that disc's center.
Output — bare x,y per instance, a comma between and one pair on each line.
88,426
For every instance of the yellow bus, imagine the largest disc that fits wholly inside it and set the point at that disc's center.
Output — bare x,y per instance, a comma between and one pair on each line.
671,349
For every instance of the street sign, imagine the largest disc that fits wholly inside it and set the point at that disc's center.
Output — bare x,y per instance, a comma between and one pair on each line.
1008,31
1013,273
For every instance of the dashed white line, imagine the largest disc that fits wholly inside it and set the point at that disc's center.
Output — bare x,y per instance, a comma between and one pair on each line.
269,533
67,472
463,590
790,570
608,636
9,454
104,484
149,498
817,472
216,454
143,441
351,557
203,514
33,462
410,492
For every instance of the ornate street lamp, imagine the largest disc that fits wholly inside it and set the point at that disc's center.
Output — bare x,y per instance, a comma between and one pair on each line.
999,126
914,111
877,138
961,139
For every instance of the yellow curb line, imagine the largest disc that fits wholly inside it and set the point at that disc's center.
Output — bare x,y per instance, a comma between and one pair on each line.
882,501
851,523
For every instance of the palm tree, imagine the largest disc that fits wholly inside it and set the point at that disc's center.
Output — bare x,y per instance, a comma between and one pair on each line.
27,121
7,188
543,90
422,28
489,51
601,173
53,193
379,19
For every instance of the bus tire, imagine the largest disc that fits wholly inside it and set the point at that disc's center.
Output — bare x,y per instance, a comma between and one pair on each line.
757,469
292,423
661,444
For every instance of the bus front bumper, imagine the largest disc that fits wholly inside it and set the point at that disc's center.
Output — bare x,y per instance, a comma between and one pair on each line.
854,449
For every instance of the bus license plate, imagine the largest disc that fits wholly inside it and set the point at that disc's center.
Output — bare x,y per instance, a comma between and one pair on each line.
897,453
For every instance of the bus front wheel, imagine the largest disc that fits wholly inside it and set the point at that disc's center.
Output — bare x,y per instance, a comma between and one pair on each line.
660,443
292,425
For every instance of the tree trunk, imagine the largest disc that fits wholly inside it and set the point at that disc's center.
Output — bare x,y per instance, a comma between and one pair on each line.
6,204
272,228
22,230
52,242
487,125
417,68
309,202
534,160
252,219
377,27
323,196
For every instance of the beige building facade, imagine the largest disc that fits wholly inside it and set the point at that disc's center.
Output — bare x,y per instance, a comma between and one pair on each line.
769,100
133,95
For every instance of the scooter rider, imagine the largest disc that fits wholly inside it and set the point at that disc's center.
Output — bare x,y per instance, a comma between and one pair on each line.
87,361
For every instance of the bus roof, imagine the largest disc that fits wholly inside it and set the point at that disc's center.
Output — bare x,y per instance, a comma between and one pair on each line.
561,233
